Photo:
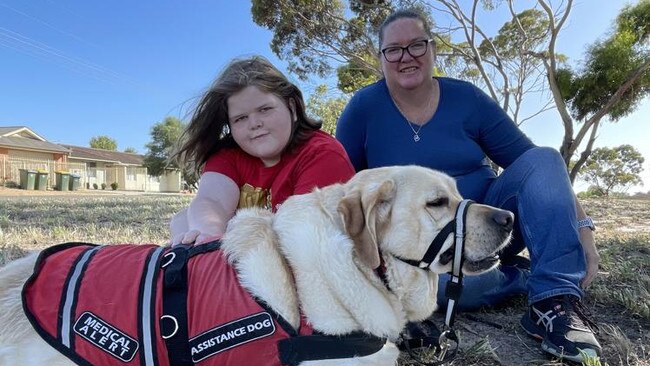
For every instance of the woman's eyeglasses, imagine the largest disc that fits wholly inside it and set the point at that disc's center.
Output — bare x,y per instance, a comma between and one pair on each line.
415,49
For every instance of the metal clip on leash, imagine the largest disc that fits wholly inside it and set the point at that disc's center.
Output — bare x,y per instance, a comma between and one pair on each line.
444,352
445,344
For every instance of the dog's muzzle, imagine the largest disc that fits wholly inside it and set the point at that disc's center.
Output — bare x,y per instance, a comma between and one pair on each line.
457,226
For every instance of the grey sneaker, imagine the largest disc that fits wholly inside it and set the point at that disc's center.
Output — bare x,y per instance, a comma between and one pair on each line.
562,326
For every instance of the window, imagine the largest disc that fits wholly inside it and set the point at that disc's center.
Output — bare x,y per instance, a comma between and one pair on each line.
131,174
92,170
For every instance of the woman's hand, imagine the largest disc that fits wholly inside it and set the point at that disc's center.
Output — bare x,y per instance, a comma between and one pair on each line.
591,255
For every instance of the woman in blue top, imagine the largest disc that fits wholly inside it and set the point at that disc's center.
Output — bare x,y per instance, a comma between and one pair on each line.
411,117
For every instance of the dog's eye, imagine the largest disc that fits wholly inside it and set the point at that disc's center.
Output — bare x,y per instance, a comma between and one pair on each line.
440,201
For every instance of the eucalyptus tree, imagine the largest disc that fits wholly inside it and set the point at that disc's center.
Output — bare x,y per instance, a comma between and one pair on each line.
613,169
613,81
326,107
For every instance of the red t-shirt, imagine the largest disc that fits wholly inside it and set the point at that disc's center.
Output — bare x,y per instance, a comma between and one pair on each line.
318,162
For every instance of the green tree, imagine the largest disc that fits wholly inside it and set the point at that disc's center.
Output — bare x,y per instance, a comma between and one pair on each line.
326,108
131,150
164,139
104,143
612,170
614,80
313,34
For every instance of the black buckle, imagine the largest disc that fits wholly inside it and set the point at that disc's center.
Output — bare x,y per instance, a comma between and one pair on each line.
453,290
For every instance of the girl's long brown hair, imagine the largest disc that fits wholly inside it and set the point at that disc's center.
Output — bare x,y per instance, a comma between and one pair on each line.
208,130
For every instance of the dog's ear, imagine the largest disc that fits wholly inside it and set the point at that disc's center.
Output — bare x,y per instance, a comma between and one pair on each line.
359,210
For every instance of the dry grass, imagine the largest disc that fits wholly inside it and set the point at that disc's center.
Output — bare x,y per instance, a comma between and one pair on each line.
619,298
29,223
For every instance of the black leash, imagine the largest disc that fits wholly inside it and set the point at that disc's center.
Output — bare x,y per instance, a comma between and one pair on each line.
445,349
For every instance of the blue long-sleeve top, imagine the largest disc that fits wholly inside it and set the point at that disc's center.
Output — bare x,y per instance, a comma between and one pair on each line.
467,127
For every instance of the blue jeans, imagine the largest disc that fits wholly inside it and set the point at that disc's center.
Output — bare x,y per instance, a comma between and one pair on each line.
536,187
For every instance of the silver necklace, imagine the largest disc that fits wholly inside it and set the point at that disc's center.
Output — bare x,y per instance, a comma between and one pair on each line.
416,133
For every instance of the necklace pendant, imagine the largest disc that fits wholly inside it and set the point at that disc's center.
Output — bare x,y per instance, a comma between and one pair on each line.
416,137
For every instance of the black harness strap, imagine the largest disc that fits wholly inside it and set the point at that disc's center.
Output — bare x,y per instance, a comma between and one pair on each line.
434,247
295,350
173,324
204,248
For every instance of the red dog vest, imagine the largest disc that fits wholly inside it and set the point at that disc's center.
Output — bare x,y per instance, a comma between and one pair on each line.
103,305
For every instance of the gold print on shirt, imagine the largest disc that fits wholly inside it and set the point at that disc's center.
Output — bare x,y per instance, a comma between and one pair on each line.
250,196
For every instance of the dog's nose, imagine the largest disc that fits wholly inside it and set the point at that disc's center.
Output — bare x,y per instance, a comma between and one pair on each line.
504,218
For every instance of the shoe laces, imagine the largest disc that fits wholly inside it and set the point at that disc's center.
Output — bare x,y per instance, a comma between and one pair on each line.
583,314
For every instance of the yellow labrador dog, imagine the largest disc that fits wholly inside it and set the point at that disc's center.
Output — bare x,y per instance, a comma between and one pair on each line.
333,259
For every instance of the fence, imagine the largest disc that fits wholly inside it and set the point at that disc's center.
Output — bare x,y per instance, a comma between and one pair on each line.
10,168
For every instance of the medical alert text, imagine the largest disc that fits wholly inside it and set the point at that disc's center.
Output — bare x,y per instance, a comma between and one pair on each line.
105,336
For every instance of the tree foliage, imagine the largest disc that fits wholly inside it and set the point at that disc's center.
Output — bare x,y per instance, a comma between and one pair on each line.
313,34
131,150
164,138
516,65
613,81
610,170
326,108
104,143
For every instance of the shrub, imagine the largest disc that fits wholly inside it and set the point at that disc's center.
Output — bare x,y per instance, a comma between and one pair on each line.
103,186
114,186
11,184
95,186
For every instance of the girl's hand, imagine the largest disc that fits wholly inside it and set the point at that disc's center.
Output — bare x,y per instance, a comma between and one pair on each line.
188,237
194,237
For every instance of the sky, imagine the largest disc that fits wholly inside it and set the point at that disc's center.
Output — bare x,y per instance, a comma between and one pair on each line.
74,69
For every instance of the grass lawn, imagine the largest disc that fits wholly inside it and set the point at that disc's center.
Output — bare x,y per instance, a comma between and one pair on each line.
619,299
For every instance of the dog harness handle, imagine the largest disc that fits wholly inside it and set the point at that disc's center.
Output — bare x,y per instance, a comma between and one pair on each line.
295,350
